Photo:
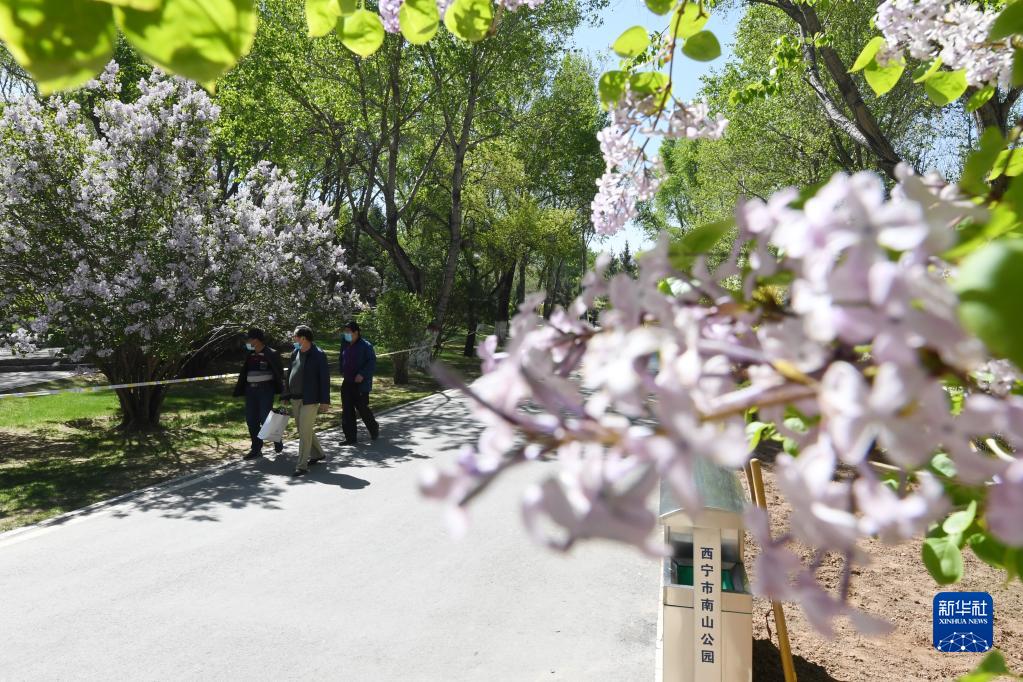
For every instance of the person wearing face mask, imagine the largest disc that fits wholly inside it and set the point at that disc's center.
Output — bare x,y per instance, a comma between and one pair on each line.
358,364
261,378
309,386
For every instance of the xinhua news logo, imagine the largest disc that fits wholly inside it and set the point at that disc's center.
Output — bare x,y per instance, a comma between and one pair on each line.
963,622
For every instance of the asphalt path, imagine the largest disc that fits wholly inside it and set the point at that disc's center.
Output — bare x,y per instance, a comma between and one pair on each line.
12,380
346,574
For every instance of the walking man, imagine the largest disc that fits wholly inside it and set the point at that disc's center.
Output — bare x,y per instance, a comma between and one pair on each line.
261,378
309,387
358,364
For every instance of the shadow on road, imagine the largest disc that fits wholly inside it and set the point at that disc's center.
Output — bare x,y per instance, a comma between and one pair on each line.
419,431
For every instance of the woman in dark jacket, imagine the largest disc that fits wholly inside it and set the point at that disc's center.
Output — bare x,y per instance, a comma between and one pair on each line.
261,378
309,387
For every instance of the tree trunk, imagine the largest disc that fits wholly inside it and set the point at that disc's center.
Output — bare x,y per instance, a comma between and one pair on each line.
141,407
401,368
472,322
520,288
504,292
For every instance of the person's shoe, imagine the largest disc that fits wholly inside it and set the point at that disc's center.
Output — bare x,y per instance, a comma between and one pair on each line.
299,472
374,436
279,447
317,460
252,455
349,442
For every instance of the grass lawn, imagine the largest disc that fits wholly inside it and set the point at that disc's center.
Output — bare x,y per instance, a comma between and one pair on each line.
60,453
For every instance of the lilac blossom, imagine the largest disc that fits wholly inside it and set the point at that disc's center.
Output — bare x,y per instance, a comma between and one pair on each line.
859,349
145,259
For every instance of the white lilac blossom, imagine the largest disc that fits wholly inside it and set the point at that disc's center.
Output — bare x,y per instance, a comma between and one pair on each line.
389,10
630,176
136,255
957,32
859,350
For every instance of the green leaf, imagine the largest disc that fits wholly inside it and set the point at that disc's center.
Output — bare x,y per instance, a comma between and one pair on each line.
660,6
688,22
945,87
1009,22
362,32
926,70
648,82
419,20
958,522
1017,68
868,53
881,79
703,238
990,668
321,16
1009,162
703,47
988,549
632,42
198,39
470,19
942,464
348,7
980,98
611,86
990,287
943,559
979,163
62,43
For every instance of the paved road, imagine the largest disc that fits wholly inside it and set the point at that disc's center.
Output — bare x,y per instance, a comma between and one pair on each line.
345,575
12,380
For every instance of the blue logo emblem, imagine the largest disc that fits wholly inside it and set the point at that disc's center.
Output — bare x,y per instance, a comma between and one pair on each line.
963,621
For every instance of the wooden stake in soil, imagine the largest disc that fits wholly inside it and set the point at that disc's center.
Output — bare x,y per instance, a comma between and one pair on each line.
755,478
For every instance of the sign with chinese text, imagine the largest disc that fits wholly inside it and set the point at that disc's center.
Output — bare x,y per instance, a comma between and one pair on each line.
707,603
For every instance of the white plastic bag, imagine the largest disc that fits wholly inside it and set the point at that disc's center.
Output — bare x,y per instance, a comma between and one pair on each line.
273,428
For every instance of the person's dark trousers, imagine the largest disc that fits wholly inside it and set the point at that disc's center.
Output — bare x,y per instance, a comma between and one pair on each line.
354,401
259,400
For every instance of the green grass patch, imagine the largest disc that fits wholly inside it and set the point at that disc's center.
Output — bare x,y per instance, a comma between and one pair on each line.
60,453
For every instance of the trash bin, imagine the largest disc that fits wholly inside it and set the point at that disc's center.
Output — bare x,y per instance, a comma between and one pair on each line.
706,601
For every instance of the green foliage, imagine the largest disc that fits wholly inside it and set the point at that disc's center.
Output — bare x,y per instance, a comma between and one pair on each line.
991,667
62,43
362,32
688,20
470,19
702,46
322,16
990,287
980,98
399,320
980,161
419,20
880,78
1009,22
659,6
612,86
945,87
198,39
943,559
632,42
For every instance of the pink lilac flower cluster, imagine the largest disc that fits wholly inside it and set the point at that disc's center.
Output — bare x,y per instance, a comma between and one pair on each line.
957,32
858,348
133,243
630,176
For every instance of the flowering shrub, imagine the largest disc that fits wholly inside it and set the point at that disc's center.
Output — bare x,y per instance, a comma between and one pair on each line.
113,233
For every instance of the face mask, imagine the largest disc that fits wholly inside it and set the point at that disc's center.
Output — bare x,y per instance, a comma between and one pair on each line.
297,345
249,346
348,337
